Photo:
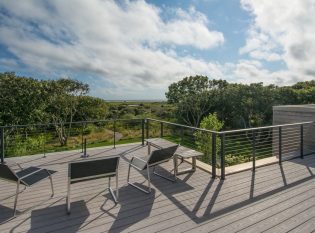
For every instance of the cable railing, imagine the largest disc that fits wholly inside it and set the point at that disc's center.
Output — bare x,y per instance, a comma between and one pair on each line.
232,147
219,149
20,140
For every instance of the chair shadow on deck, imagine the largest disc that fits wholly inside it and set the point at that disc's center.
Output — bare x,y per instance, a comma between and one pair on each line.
132,212
6,214
55,218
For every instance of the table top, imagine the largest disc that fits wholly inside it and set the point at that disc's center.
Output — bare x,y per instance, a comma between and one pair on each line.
181,151
188,153
160,142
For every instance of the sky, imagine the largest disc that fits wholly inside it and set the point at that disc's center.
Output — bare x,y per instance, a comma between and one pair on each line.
135,49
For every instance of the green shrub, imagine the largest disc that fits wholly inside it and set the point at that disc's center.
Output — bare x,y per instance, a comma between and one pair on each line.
204,139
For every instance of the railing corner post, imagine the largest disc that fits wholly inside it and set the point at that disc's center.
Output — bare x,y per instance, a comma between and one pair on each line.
142,131
222,156
82,142
302,143
280,145
214,155
45,143
147,128
2,143
114,133
254,150
161,133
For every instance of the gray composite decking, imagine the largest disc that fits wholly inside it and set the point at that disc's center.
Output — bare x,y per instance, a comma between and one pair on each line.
273,199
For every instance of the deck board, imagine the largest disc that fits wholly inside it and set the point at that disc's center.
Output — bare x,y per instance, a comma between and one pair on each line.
273,199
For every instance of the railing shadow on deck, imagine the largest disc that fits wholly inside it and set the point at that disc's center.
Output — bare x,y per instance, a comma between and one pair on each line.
217,186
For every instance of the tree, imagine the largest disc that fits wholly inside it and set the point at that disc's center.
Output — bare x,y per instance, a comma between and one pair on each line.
193,97
91,108
242,106
22,100
64,97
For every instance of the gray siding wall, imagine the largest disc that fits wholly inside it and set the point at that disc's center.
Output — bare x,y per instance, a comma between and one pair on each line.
291,135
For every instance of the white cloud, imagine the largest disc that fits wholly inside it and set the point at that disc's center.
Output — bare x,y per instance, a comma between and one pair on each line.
253,71
8,62
119,42
283,30
260,46
127,49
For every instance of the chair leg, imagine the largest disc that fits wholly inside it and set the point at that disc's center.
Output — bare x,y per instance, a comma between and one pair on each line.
68,199
112,192
52,186
136,186
117,190
16,196
149,180
128,173
164,177
175,167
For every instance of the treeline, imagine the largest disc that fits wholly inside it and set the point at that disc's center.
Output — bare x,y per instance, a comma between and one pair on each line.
132,110
30,101
238,105
26,101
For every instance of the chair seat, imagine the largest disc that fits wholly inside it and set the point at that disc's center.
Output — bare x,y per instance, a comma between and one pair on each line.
34,178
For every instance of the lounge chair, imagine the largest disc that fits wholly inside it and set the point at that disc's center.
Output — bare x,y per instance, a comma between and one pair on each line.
90,169
155,158
27,177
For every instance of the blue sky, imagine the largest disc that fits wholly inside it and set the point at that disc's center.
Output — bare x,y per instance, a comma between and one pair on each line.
136,49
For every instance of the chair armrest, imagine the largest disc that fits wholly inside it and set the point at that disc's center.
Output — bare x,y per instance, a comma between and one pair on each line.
138,163
32,173
19,165
135,157
13,164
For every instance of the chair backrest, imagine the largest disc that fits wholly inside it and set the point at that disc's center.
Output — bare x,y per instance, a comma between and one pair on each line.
162,155
89,169
7,174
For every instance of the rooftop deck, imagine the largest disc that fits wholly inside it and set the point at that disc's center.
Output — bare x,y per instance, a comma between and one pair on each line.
274,198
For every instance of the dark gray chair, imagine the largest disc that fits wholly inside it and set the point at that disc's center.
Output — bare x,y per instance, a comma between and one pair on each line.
155,158
27,177
91,169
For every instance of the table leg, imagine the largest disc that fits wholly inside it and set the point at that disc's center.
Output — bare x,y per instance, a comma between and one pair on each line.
175,166
149,148
193,164
192,169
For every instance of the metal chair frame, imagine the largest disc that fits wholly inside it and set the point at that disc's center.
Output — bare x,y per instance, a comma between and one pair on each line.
115,196
20,181
147,167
